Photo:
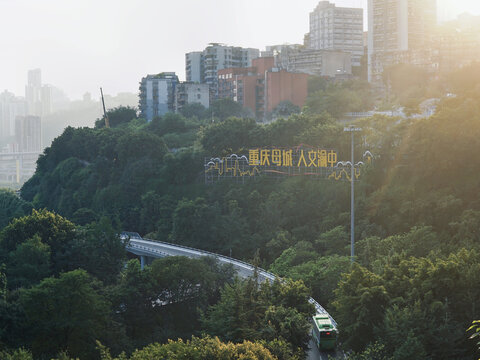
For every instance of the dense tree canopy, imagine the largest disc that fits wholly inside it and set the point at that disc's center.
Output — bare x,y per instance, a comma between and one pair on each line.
66,313
338,99
118,116
411,294
199,348
249,311
224,108
11,206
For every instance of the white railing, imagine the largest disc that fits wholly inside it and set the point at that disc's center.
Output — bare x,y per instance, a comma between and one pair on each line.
138,243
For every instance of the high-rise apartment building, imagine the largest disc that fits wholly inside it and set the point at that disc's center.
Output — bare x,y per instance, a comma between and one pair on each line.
34,77
458,43
399,31
38,96
300,59
157,94
10,107
193,66
59,100
263,86
47,98
28,133
33,92
203,66
337,28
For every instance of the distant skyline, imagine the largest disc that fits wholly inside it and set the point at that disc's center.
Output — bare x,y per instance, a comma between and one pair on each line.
81,45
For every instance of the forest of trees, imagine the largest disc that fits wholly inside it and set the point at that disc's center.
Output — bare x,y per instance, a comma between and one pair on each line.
412,293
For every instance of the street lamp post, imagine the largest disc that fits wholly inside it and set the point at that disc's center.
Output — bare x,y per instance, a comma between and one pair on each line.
352,129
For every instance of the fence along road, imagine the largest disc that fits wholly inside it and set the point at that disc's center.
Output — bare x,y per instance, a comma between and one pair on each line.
158,249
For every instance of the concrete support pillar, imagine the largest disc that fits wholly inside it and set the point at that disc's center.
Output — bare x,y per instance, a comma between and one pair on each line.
142,262
18,171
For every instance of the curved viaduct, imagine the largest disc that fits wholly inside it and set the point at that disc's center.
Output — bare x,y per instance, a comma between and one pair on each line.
158,249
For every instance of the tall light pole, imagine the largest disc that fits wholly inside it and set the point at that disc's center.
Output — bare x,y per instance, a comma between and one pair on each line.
352,129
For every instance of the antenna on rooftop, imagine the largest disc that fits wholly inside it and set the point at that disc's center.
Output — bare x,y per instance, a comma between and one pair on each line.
107,121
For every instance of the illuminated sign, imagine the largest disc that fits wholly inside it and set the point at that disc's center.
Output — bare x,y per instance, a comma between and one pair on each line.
285,158
298,161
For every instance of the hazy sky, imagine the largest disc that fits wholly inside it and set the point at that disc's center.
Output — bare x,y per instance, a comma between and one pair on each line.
81,45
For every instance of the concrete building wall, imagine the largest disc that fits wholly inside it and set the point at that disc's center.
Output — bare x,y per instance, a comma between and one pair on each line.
262,87
263,64
245,85
337,28
10,107
33,92
227,82
46,94
309,61
458,43
193,66
249,55
33,95
28,133
38,96
160,106
198,93
399,30
302,59
250,99
34,77
157,95
284,86
336,63
214,58
190,93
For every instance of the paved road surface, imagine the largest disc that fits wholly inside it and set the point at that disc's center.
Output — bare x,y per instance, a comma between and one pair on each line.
314,354
146,247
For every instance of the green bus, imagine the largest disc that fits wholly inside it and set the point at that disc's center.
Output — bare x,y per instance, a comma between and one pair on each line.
324,332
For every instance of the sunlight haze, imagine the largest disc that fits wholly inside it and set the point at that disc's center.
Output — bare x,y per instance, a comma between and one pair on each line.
82,45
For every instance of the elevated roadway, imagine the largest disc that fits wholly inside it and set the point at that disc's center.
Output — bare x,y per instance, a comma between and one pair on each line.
158,249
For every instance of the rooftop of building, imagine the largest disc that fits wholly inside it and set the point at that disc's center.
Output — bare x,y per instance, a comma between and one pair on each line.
322,5
162,75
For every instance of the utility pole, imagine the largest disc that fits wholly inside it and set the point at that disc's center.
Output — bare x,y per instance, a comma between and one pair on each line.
352,129
107,121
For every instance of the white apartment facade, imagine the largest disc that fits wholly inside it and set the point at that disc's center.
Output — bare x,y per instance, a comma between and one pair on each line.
399,31
38,96
10,107
157,95
203,66
337,28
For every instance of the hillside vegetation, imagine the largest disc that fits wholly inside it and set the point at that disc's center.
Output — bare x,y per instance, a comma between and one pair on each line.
411,294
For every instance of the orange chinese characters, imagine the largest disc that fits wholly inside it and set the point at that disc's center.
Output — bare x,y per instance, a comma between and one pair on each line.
332,158
301,158
322,158
265,157
287,158
312,158
253,157
277,157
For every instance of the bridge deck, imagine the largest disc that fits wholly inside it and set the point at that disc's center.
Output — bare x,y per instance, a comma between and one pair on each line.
158,249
